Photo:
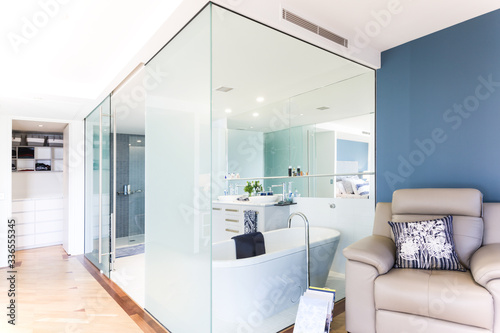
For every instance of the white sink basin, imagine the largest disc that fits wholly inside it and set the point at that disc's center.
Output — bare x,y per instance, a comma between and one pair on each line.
264,198
229,198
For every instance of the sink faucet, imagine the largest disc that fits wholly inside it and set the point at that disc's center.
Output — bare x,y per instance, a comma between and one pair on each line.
283,198
306,225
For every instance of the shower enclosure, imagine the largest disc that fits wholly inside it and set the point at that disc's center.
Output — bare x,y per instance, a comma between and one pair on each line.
115,188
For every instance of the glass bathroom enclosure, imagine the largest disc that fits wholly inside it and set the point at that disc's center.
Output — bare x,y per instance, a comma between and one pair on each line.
226,101
237,97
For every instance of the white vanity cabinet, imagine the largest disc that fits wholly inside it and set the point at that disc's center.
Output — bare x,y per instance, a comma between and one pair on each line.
228,218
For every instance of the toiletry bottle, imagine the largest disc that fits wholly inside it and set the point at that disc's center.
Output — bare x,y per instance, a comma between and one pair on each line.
290,171
298,170
294,172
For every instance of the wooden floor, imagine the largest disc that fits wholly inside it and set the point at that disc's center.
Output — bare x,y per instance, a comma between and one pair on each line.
57,293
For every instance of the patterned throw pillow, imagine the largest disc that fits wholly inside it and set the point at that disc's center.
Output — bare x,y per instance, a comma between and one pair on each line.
426,244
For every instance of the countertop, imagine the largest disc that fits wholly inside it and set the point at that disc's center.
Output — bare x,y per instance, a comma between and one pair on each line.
247,203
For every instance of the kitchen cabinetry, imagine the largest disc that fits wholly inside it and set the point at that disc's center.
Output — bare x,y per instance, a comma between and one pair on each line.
228,218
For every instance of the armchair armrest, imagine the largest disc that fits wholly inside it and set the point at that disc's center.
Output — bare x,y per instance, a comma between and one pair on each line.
485,264
377,251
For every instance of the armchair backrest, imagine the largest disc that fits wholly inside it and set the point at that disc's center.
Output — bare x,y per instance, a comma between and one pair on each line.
465,205
491,218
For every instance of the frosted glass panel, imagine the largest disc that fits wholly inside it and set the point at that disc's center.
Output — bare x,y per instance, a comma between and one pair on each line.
178,168
97,186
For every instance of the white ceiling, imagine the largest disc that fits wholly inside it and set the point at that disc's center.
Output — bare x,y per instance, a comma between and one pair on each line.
78,51
38,126
400,23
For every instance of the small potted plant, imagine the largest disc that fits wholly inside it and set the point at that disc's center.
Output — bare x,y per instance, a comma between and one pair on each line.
253,187
249,188
257,187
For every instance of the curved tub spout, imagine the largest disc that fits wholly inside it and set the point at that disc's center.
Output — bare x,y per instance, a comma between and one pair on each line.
306,225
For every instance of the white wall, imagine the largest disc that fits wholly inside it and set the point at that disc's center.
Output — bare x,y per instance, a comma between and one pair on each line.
37,184
5,183
353,218
74,175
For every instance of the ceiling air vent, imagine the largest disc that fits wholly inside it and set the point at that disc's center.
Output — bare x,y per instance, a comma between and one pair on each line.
301,22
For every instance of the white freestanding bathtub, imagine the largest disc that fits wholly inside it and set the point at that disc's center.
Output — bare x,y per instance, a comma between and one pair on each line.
247,291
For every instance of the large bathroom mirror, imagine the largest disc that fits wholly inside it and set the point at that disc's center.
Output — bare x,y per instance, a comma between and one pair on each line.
280,103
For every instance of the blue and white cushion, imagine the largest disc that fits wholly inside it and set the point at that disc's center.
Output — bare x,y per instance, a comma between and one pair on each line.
426,244
363,188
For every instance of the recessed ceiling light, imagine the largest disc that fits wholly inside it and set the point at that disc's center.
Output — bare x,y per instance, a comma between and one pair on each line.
228,110
260,99
139,141
255,114
301,114
323,108
224,89
40,125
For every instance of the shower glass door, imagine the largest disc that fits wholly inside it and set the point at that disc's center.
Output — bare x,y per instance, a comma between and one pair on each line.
98,186
128,145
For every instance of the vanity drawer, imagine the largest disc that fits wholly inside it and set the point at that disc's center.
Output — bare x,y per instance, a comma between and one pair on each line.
232,220
233,212
231,231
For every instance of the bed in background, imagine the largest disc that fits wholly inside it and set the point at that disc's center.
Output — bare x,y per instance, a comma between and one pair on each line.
351,187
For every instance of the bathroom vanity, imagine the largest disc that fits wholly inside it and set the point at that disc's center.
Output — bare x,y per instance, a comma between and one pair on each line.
228,218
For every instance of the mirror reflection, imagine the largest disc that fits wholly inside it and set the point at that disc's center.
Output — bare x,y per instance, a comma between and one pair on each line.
316,135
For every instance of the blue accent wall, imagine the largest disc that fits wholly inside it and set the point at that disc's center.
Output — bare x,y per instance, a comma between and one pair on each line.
438,111
348,150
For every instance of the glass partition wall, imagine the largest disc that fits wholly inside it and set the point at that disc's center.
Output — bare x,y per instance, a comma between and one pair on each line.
178,201
98,186
128,199
300,121
230,101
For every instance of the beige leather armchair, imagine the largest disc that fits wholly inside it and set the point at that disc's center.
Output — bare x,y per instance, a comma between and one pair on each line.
383,299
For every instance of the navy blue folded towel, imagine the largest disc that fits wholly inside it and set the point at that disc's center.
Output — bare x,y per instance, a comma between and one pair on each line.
249,245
